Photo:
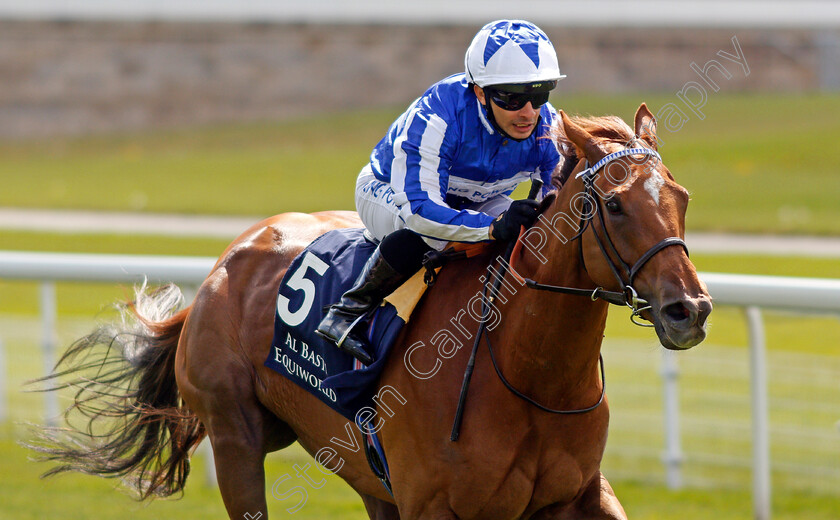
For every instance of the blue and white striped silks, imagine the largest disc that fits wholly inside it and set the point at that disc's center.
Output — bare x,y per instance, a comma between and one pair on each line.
443,149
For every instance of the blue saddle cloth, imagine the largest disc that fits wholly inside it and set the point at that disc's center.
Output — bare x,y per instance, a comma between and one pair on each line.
316,279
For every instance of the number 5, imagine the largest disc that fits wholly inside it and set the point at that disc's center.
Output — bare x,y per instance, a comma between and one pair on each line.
299,282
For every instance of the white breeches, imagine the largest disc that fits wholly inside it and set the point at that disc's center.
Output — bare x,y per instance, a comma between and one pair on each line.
381,216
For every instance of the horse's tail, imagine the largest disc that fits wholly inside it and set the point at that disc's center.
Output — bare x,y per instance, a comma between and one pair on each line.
127,418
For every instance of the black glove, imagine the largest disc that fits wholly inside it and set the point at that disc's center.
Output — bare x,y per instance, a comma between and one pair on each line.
520,213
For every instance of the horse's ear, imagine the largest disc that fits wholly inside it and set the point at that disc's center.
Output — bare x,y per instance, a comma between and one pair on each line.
646,126
583,140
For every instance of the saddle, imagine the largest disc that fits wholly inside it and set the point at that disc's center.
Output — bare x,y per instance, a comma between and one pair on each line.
317,278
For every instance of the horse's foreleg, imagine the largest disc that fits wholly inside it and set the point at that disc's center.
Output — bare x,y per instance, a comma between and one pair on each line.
598,502
380,510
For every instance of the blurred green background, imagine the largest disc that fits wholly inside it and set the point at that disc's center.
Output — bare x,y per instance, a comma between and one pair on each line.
757,163
764,163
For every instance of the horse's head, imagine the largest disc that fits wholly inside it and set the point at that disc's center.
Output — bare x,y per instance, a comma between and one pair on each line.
633,217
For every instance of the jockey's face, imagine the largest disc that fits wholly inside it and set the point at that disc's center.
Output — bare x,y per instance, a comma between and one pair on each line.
519,124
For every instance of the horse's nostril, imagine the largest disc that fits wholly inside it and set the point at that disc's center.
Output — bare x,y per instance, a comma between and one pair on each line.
676,311
705,308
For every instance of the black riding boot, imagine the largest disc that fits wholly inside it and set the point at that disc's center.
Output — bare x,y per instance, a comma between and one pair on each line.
376,281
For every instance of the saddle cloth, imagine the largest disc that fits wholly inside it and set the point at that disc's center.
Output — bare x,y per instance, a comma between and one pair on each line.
317,278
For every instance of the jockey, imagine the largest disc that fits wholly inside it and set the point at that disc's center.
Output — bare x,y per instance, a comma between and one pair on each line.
445,168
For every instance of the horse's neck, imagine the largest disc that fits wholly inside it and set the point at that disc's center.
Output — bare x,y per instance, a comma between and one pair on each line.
551,341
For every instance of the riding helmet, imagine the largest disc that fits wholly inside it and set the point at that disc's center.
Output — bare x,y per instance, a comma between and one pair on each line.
512,52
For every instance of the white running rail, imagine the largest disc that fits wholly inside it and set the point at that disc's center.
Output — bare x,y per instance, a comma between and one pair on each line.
748,291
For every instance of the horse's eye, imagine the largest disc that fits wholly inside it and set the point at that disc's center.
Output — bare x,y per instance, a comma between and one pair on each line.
613,206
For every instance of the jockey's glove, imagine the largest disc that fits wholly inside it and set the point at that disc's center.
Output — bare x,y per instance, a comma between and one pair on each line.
520,213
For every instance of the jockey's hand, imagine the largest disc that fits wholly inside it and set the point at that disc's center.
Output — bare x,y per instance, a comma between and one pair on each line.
520,213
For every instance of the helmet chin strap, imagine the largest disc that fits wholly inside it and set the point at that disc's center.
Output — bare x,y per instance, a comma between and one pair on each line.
488,106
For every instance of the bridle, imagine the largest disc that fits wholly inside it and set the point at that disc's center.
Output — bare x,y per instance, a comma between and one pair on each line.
621,270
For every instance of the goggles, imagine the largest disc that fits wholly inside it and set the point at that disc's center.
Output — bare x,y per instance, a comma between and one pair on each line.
510,100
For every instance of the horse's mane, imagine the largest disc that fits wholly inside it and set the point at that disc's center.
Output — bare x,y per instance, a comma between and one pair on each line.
607,128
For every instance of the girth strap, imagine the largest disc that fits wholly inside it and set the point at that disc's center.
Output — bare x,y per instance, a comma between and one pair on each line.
375,455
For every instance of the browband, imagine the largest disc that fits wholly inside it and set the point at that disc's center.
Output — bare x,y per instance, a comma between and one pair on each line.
616,155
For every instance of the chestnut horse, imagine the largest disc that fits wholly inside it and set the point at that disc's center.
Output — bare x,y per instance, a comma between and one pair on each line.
514,458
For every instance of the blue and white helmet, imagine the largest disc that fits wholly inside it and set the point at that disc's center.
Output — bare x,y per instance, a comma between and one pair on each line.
511,51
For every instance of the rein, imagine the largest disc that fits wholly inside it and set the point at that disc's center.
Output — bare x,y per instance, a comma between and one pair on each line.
485,298
628,296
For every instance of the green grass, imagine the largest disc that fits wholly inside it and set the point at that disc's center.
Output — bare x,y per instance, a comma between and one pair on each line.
749,167
755,163
249,169
24,496
75,497
649,502
112,244
768,265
